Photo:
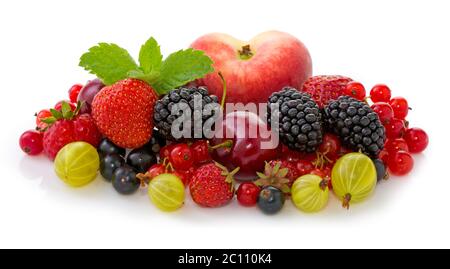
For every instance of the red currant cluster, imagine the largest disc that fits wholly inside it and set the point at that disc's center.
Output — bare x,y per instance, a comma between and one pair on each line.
180,159
402,140
31,141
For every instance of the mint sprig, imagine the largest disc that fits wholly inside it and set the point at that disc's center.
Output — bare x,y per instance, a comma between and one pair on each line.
112,63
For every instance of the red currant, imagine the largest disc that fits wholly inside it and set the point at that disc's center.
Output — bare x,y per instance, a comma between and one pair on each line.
417,140
185,176
355,90
331,145
318,172
400,163
400,107
384,111
247,194
44,113
165,151
74,91
156,170
181,157
384,156
58,105
200,151
304,167
380,93
397,144
31,142
395,129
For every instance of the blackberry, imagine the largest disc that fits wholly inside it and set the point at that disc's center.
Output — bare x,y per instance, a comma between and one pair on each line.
358,126
207,109
299,117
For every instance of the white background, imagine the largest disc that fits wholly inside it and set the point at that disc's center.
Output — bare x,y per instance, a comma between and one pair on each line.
402,43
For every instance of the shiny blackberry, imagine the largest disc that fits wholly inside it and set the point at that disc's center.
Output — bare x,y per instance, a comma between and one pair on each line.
358,126
206,110
299,117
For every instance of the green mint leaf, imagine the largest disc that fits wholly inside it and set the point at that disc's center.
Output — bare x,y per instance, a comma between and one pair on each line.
150,78
150,56
108,62
56,114
49,120
65,109
180,68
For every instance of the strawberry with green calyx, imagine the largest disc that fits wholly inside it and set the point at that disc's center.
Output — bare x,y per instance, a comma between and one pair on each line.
274,176
212,185
67,126
123,110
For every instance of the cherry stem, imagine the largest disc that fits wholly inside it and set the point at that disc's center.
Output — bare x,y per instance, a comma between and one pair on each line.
225,144
224,93
346,201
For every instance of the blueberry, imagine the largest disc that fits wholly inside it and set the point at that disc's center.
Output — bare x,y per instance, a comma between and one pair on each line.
270,200
109,163
107,147
125,181
381,169
156,142
141,159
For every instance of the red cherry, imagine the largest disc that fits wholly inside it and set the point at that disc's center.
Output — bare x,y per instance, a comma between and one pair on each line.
384,111
304,167
44,113
400,107
31,142
380,93
74,91
164,152
181,157
200,151
397,144
355,90
417,140
400,163
331,144
156,170
58,105
249,135
395,128
247,194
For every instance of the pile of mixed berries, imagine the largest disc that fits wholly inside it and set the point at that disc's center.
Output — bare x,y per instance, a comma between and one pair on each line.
127,122
333,137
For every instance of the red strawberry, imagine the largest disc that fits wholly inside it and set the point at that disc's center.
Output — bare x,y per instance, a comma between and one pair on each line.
325,88
69,129
212,185
293,172
123,112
